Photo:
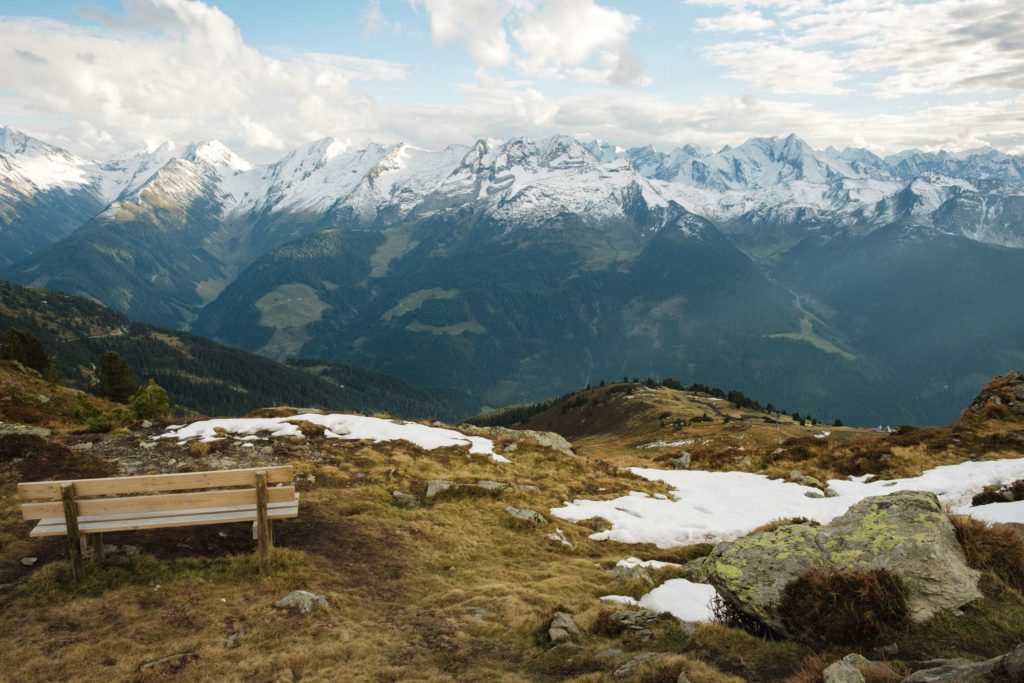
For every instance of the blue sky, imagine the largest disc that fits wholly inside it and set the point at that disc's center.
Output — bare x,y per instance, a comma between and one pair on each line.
103,77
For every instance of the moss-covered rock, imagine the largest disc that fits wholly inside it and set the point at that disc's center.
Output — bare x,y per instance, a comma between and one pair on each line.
906,533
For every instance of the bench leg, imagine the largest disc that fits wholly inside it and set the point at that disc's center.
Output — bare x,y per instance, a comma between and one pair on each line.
67,496
263,541
96,545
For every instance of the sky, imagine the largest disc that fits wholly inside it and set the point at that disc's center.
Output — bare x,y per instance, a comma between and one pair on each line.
104,78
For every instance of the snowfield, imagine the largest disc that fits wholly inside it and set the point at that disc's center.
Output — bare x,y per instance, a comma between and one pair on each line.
336,426
721,506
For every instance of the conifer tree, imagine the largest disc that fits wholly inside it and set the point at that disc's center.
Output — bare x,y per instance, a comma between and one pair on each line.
116,380
151,402
28,350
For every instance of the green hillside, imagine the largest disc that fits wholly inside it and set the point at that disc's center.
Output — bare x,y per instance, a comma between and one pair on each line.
203,375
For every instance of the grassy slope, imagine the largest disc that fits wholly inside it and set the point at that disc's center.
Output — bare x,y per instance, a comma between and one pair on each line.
200,374
450,591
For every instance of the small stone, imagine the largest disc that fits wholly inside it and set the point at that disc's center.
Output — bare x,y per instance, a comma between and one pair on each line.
148,444
682,677
404,500
302,602
608,653
170,663
846,670
529,488
631,665
233,641
558,537
623,572
1013,663
43,399
437,486
29,561
146,424
84,446
744,461
511,448
131,549
526,516
681,461
562,628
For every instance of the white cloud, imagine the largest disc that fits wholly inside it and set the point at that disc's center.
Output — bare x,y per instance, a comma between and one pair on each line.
479,24
735,22
375,21
897,48
177,69
546,39
780,69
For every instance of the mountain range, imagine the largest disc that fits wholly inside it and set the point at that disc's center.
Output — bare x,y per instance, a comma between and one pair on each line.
834,282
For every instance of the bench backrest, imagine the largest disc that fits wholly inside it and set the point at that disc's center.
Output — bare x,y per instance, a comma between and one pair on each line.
150,493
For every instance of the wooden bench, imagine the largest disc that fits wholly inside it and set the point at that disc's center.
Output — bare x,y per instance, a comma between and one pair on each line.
85,509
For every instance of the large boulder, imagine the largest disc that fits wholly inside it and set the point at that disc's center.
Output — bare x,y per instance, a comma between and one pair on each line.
906,533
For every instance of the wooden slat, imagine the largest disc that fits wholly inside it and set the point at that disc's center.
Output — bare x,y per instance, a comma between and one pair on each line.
166,501
155,483
248,514
59,521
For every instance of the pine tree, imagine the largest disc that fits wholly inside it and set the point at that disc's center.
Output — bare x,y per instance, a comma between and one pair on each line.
28,350
151,402
116,380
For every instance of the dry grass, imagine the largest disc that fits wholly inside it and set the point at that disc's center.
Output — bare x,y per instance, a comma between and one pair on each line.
997,548
852,606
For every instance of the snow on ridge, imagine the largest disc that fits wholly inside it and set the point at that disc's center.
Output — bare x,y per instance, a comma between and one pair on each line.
336,426
722,506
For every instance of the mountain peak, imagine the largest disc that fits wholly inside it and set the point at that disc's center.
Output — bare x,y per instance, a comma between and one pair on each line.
216,153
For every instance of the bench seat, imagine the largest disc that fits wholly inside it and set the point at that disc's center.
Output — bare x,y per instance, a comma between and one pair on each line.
94,524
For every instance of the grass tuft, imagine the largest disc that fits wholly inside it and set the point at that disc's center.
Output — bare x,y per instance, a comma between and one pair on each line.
992,547
851,606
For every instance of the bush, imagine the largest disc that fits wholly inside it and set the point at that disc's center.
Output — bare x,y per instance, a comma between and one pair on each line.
851,606
151,402
992,547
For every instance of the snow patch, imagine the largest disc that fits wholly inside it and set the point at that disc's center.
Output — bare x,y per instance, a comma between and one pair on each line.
721,506
336,426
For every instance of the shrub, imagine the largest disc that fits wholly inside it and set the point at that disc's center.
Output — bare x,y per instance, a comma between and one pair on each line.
728,614
844,606
992,547
151,402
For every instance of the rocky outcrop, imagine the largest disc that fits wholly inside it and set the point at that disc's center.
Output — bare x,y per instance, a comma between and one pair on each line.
551,440
906,533
1002,398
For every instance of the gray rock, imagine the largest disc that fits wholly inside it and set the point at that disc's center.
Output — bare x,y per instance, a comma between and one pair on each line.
555,442
511,448
558,537
562,628
630,666
302,602
24,430
491,486
681,461
641,573
798,477
438,486
528,488
1013,664
608,653
233,641
29,561
404,500
744,461
84,446
146,424
954,671
846,670
906,533
682,677
526,516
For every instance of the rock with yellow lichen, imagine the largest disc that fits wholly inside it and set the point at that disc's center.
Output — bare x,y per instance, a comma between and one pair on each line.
905,533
